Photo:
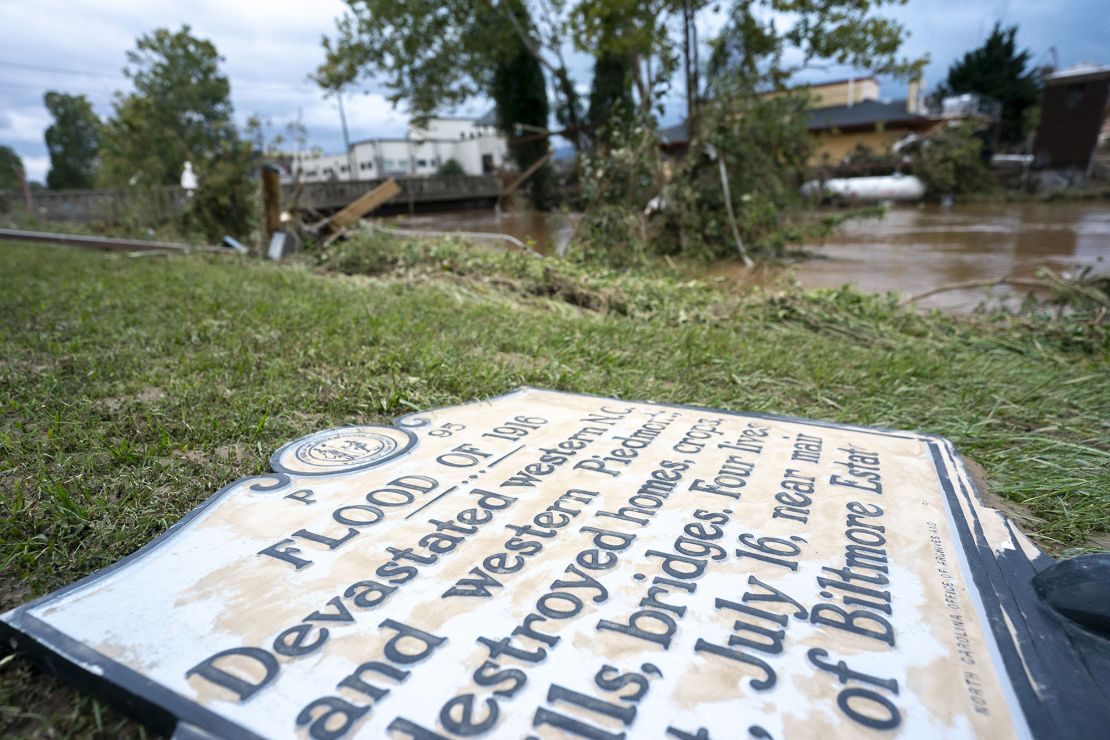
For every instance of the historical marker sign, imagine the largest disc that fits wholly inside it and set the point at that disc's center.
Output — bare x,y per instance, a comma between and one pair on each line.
553,565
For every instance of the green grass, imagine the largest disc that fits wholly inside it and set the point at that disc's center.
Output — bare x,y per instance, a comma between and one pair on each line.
132,388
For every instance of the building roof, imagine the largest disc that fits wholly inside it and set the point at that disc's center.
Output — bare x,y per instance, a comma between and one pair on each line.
489,118
1082,72
863,113
845,81
677,134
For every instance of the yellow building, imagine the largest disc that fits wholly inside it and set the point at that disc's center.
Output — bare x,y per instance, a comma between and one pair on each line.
848,114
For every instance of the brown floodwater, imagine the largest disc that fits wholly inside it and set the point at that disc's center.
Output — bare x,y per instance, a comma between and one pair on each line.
911,250
547,232
914,249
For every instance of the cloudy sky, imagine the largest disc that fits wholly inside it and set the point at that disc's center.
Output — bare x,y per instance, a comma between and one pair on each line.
270,46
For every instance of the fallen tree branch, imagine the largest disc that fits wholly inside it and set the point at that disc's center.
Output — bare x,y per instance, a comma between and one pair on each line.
408,233
969,284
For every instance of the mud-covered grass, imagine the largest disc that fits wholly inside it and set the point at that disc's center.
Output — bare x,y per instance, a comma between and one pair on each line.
132,388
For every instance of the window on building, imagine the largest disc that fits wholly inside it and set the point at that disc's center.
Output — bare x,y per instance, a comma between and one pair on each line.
390,164
342,168
422,162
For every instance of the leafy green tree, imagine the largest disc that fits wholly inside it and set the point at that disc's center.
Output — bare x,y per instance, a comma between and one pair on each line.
226,199
451,167
180,110
611,102
951,162
435,54
73,141
10,167
1000,70
519,91
610,95
430,54
764,145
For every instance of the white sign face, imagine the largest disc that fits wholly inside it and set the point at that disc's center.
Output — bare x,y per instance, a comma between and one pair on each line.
553,565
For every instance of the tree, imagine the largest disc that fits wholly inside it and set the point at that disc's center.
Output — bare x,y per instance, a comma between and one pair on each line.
451,167
73,141
434,54
180,110
738,185
763,144
951,162
437,53
611,102
999,70
429,54
10,168
519,91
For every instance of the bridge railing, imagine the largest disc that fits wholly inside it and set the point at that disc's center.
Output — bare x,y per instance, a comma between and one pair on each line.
103,204
437,188
108,205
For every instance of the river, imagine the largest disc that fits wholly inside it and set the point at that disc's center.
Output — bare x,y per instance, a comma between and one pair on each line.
911,250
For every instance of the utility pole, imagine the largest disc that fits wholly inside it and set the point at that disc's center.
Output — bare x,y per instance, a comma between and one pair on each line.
346,139
22,175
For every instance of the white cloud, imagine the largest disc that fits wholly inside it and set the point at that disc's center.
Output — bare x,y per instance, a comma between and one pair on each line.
271,46
23,125
36,167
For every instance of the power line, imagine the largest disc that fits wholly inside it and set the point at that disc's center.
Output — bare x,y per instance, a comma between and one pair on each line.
250,84
57,70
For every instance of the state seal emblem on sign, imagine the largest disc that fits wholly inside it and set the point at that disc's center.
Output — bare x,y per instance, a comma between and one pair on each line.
342,450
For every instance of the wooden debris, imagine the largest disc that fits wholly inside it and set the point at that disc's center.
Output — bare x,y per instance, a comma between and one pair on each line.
271,200
358,208
525,175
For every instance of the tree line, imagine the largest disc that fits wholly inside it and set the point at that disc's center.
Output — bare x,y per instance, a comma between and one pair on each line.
179,109
745,132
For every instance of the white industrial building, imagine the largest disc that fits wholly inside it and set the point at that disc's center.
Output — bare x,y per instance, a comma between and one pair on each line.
475,143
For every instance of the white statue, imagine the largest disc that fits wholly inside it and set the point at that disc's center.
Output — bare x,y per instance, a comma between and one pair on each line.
189,178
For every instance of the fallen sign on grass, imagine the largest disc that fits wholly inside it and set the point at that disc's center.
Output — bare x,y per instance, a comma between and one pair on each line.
554,565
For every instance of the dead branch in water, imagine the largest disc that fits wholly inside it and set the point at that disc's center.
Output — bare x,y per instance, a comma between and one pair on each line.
970,284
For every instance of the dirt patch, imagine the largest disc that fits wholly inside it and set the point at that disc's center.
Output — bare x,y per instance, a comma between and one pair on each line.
1021,515
235,453
13,591
24,366
1100,541
517,361
306,420
143,397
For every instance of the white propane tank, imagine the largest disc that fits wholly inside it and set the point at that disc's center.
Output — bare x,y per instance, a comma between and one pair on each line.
897,187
